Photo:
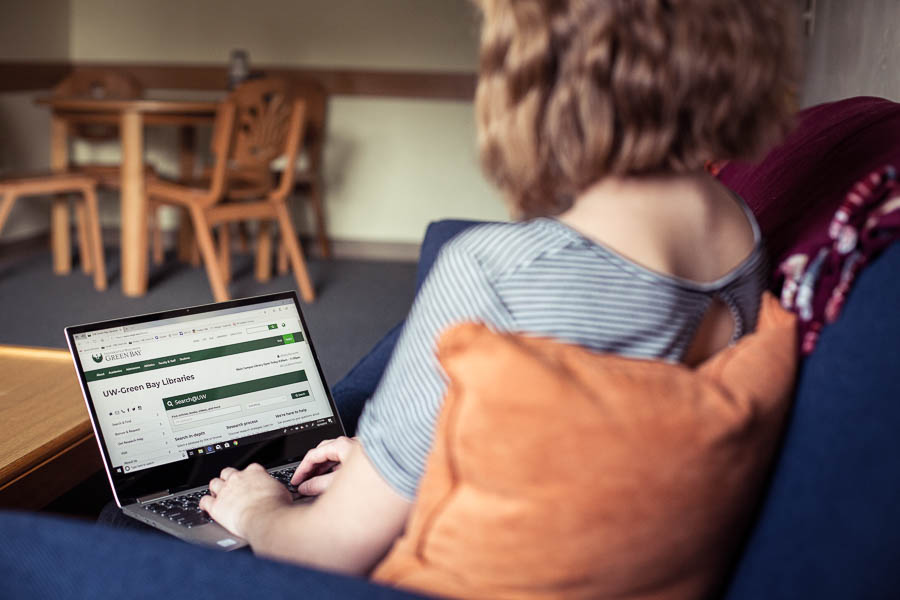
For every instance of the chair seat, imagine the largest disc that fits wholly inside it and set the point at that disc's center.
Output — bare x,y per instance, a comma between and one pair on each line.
229,211
46,182
15,187
238,189
178,193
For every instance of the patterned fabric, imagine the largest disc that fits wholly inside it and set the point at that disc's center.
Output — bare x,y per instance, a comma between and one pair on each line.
798,193
818,275
538,278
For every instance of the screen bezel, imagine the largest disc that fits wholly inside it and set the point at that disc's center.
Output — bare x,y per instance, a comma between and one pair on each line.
199,469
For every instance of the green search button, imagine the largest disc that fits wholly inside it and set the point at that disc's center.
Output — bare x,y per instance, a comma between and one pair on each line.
302,394
273,326
288,338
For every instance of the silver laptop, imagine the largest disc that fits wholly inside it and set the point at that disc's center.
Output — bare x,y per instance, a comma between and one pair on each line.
176,396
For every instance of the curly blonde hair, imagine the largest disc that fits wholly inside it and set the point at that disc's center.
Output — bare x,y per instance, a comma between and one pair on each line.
571,91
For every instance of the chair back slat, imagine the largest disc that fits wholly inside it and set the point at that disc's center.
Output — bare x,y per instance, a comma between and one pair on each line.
316,99
294,139
262,120
222,135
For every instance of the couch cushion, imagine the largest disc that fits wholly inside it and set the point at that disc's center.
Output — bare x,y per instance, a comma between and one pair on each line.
830,525
556,471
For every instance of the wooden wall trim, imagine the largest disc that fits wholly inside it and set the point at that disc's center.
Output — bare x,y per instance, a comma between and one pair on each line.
436,85
20,76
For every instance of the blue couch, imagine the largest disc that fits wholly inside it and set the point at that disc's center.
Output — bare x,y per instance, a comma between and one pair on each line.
828,525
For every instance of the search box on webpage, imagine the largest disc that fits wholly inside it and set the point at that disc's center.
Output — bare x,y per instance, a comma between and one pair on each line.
198,416
268,402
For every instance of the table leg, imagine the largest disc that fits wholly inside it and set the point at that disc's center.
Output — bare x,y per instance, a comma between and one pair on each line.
61,242
264,252
186,243
134,206
6,203
282,256
225,251
85,256
92,230
186,152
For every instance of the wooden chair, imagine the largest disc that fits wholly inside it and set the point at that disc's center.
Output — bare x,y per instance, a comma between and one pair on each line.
309,174
259,122
307,179
13,188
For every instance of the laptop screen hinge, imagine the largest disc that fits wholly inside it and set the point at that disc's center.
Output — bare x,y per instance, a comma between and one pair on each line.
152,497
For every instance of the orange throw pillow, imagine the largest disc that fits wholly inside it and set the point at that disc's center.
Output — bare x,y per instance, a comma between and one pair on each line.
557,472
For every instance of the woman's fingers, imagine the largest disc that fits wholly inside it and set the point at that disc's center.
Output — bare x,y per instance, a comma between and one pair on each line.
335,451
312,460
316,485
227,472
215,485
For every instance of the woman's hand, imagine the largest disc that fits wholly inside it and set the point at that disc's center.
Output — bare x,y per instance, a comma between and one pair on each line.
235,496
315,472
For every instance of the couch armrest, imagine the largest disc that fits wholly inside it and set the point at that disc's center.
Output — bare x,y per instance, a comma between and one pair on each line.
830,525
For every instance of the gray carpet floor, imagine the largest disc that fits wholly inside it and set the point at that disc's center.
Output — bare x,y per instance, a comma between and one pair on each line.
357,301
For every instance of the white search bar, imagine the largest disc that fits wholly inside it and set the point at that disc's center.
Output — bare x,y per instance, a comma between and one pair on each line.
269,402
257,328
181,419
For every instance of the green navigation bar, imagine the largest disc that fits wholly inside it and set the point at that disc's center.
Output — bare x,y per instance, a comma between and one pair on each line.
235,389
191,357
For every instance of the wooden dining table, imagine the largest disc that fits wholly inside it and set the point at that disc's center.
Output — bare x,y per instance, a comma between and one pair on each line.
131,116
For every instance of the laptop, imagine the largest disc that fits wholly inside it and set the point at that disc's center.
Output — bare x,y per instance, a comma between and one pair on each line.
176,396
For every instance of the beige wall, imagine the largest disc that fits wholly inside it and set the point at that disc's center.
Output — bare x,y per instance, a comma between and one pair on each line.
376,34
392,165
33,30
24,146
854,50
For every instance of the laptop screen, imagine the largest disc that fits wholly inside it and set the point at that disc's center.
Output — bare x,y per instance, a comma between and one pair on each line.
206,382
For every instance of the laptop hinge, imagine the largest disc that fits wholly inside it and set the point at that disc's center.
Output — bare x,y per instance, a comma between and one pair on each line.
152,497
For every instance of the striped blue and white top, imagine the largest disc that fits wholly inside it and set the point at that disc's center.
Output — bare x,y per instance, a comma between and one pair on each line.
538,277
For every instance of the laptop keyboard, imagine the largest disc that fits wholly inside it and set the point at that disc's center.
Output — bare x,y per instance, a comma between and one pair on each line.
185,510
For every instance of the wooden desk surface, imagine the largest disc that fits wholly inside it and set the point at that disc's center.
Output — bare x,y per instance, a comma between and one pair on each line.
46,442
